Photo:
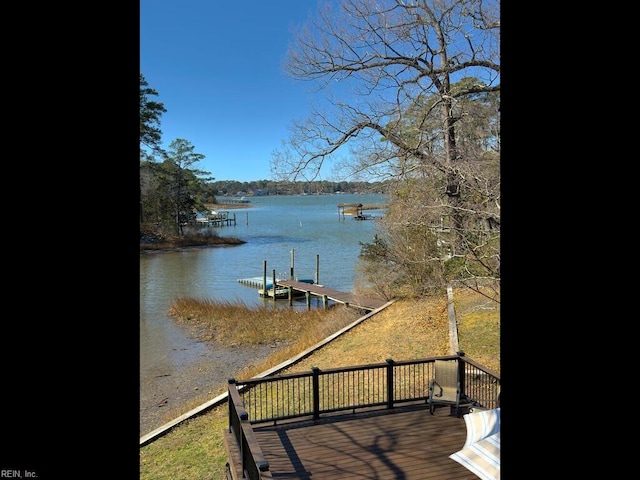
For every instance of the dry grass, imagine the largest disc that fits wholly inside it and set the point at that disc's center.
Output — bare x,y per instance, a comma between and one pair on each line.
234,324
411,329
479,328
406,330
193,451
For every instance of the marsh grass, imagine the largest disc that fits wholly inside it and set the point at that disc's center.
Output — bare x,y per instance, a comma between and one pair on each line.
235,324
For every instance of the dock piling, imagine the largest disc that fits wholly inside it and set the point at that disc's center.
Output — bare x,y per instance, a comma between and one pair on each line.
292,263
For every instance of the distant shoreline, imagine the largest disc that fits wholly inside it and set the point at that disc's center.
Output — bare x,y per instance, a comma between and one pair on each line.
227,206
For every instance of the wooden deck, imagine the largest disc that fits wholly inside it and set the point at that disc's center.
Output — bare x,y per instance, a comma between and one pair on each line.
404,443
357,301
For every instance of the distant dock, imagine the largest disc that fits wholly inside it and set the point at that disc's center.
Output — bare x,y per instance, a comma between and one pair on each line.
217,219
232,200
356,210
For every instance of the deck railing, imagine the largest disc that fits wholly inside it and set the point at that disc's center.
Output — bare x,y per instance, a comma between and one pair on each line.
253,462
318,392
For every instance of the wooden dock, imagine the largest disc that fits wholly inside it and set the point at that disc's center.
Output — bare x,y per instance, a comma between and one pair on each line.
290,289
348,299
355,210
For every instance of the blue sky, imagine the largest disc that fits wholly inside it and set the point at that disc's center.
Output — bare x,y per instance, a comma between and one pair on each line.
217,67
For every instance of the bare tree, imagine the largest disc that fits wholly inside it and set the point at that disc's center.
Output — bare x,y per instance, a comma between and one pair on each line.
412,89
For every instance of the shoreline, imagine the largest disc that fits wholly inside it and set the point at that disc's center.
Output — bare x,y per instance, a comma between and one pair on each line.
173,392
227,206
167,245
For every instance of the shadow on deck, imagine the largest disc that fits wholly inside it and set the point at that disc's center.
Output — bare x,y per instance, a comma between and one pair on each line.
404,443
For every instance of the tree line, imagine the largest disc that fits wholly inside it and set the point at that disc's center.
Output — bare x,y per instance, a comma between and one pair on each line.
274,187
412,94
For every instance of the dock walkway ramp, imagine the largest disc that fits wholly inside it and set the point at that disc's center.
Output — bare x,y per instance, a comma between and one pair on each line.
357,301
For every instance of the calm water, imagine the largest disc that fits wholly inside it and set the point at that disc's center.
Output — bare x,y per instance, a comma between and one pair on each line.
273,227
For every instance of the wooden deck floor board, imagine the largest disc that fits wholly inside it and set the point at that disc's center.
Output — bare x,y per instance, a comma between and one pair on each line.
405,443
